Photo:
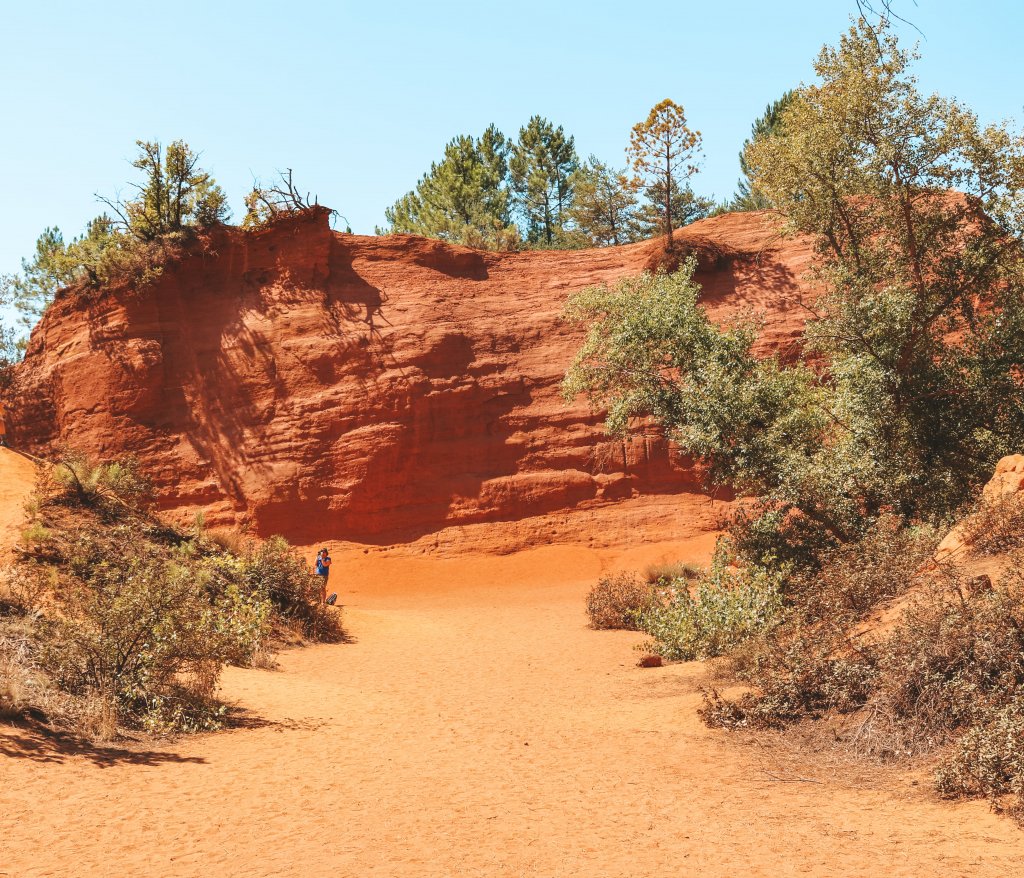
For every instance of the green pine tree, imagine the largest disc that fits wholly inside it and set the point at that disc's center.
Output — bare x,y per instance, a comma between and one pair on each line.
604,205
686,207
464,198
541,166
767,124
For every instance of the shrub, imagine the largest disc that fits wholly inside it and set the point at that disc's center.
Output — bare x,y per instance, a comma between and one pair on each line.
92,482
273,568
731,605
147,636
996,527
616,601
798,673
131,621
37,534
989,760
16,668
951,671
956,656
854,578
669,571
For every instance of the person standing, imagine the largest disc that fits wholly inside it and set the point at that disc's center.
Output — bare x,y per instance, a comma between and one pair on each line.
3,425
323,570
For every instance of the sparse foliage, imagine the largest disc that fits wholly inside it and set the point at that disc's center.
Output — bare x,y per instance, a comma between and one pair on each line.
264,204
664,152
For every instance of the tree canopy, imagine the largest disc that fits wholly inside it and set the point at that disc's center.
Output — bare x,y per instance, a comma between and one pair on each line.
917,341
663,152
604,205
464,198
541,166
765,125
175,193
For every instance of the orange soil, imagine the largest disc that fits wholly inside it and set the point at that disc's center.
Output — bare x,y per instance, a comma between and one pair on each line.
17,478
475,727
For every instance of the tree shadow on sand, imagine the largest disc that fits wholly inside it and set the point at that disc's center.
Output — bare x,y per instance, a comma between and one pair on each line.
28,738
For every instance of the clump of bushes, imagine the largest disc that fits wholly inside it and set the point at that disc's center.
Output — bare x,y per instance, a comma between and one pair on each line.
989,761
945,674
111,619
617,601
110,485
729,605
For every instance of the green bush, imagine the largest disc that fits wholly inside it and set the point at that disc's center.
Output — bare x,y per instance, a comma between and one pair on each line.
89,481
989,761
730,606
616,601
147,636
132,621
273,568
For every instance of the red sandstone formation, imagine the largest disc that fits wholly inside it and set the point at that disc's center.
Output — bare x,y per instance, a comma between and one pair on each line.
381,389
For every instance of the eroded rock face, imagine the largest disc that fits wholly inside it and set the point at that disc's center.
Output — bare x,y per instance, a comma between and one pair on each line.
1005,487
375,389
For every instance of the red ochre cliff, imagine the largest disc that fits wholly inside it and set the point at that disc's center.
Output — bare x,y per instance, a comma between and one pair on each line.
383,390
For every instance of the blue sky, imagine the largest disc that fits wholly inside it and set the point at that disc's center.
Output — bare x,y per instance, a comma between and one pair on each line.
359,98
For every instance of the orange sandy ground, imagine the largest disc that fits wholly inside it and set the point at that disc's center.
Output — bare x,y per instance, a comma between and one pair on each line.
475,727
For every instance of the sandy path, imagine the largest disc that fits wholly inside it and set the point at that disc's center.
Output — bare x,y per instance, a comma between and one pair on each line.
475,728
17,479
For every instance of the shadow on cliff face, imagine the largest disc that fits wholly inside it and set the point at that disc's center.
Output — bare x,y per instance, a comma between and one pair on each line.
419,474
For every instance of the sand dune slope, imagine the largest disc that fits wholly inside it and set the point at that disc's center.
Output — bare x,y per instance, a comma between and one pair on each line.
475,727
17,479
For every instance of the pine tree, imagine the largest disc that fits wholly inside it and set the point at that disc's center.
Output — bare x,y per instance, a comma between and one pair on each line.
769,123
54,265
685,206
464,198
604,204
541,167
663,150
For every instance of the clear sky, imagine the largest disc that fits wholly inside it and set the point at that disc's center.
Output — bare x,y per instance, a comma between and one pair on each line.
359,98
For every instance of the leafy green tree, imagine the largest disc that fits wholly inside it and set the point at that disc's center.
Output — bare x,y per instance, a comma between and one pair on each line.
769,123
685,207
663,152
604,204
918,339
541,166
54,265
175,195
464,198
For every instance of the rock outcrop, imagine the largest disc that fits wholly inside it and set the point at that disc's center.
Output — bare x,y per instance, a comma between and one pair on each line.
380,389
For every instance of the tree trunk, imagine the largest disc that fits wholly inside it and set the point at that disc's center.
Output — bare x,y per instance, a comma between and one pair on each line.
668,209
